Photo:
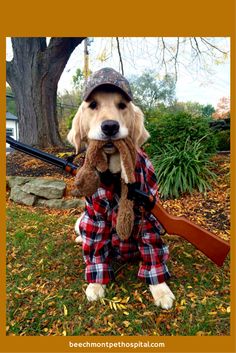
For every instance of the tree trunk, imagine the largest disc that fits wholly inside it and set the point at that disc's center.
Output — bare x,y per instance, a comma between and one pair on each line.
33,75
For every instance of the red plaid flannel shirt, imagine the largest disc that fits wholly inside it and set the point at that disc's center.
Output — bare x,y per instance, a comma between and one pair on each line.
101,242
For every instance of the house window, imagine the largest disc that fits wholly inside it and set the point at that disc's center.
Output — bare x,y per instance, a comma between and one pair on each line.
10,132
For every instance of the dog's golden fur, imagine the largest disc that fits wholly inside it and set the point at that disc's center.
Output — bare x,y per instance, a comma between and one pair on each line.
87,122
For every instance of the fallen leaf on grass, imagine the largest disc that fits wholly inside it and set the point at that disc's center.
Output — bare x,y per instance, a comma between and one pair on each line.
65,310
202,333
147,313
125,300
192,296
126,323
121,306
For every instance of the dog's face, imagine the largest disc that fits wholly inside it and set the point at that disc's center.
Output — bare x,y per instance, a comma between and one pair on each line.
107,116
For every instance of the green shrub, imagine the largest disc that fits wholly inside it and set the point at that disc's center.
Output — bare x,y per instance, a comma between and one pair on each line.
184,169
175,128
223,140
69,120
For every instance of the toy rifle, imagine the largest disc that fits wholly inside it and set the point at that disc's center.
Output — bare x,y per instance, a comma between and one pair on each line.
212,246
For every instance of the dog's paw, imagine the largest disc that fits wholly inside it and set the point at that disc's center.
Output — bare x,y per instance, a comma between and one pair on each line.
95,291
77,223
162,295
79,240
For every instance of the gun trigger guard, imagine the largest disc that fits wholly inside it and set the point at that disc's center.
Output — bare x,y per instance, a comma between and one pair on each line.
140,197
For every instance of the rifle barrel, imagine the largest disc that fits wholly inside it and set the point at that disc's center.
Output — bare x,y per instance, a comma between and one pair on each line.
44,156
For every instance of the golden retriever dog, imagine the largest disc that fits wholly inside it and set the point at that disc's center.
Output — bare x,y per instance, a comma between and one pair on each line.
107,114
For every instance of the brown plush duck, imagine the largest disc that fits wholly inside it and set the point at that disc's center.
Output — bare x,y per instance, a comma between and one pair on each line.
96,161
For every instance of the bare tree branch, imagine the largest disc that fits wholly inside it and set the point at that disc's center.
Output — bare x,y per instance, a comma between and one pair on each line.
208,44
172,55
194,49
120,57
197,46
163,53
176,59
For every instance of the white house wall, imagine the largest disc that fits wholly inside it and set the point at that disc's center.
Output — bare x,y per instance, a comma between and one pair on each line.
12,124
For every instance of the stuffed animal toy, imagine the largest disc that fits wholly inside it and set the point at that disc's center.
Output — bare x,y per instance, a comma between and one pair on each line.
88,180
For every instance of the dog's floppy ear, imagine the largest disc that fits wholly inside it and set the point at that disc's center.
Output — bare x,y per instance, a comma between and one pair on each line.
139,133
75,135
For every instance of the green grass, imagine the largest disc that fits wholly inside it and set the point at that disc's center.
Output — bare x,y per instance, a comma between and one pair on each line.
45,286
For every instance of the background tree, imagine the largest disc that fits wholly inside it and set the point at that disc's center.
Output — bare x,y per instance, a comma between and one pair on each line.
149,91
222,109
78,80
33,75
208,110
193,108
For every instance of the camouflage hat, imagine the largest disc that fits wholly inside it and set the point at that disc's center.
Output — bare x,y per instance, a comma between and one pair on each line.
107,76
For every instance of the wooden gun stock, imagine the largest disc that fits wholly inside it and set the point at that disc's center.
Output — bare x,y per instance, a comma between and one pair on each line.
208,243
212,246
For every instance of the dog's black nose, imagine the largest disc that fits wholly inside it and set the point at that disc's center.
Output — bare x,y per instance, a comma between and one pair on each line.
110,127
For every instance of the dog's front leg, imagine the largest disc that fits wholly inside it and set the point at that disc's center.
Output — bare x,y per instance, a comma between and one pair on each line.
78,239
95,291
162,295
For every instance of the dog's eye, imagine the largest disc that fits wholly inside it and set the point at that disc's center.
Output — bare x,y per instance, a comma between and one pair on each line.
93,105
122,106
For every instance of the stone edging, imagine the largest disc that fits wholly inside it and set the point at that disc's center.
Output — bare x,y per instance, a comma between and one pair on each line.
34,191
